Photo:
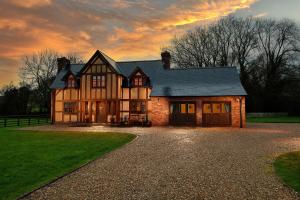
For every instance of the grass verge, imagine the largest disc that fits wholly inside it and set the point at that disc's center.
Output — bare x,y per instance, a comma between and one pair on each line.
286,119
287,167
29,159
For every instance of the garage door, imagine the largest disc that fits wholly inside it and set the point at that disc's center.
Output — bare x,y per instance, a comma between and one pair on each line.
216,114
183,113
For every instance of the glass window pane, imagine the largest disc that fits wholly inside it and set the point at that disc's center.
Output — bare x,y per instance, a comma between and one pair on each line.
207,108
191,108
183,108
216,108
171,108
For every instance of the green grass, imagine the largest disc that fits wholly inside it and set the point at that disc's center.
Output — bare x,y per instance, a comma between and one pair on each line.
286,119
30,159
287,167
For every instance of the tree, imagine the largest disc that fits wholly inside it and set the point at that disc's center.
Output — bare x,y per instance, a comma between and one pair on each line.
265,51
278,48
15,100
39,71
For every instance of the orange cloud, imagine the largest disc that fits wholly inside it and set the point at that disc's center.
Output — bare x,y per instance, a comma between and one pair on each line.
31,3
124,29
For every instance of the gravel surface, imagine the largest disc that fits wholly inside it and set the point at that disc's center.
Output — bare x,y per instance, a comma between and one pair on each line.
183,163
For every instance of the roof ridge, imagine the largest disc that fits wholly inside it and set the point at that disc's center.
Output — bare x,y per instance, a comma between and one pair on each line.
198,68
130,61
107,56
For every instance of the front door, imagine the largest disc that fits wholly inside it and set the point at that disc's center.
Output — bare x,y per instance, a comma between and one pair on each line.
100,112
183,113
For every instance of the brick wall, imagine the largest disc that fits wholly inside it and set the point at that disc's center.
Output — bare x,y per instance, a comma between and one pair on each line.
160,109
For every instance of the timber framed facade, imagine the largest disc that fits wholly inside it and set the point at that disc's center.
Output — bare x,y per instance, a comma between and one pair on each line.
103,91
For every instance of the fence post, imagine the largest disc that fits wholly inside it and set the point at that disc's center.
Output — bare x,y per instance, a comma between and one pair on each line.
28,121
5,122
18,121
38,120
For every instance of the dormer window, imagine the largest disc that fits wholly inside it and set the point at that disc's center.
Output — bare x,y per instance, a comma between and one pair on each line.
71,82
138,81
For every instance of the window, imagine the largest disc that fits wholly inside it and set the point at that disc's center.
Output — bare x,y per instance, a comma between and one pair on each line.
138,107
191,108
216,108
138,81
71,82
98,81
182,108
207,108
70,107
111,108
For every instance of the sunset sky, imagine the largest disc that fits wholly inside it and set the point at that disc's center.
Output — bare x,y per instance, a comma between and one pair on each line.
123,29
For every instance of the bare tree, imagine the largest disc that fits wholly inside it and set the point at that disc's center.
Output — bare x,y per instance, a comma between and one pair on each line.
279,48
266,52
39,70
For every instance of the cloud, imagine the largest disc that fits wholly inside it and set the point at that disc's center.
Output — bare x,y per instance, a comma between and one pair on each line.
31,3
124,29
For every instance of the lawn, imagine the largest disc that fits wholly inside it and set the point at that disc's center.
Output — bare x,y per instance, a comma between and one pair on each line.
285,119
287,167
30,159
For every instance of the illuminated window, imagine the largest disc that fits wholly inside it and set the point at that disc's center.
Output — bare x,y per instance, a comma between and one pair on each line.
98,81
71,82
138,81
183,108
70,107
207,108
191,108
138,107
216,108
111,108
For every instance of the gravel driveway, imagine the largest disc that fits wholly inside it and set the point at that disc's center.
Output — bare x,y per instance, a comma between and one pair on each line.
184,163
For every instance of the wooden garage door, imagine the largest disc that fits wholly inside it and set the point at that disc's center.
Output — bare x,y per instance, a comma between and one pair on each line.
183,113
216,114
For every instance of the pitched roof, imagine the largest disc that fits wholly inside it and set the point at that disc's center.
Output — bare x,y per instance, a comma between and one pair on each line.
149,67
216,81
59,83
106,58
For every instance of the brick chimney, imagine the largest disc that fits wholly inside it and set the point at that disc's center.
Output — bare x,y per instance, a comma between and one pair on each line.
166,59
62,63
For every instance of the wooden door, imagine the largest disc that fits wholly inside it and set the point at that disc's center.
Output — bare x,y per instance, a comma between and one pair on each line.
216,114
183,113
101,112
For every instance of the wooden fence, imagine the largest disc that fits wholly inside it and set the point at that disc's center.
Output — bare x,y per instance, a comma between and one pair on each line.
24,120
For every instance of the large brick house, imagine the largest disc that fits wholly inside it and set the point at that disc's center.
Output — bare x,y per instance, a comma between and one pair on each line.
104,91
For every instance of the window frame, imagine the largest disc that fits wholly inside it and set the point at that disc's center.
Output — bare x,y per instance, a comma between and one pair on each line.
136,111
100,81
71,80
182,107
71,109
220,103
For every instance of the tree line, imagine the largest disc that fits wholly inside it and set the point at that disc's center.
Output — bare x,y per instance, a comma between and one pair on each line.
265,51
33,94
